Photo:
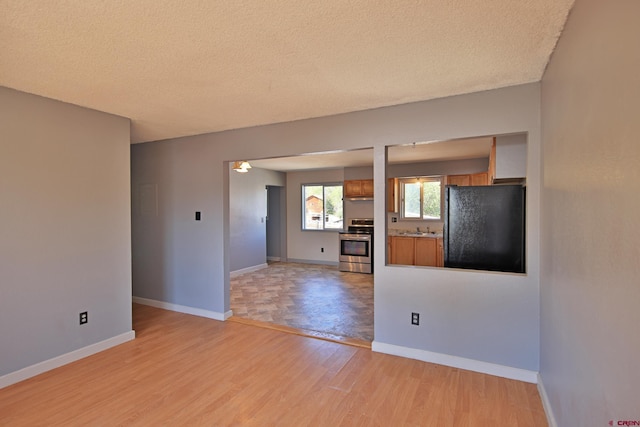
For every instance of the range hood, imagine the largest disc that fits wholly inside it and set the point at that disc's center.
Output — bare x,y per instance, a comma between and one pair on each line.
359,198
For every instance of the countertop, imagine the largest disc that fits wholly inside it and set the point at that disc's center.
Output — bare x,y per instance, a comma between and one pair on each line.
405,233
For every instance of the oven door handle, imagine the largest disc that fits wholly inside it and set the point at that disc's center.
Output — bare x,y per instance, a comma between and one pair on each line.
355,237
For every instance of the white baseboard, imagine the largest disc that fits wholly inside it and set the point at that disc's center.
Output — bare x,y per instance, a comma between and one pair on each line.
312,261
184,309
248,270
64,359
457,362
546,403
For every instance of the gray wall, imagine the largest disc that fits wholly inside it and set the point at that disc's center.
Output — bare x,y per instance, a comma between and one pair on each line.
489,317
511,156
360,172
175,258
448,167
64,228
307,245
590,276
248,213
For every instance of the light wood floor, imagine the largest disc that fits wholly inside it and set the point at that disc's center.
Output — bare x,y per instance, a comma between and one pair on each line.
308,297
183,370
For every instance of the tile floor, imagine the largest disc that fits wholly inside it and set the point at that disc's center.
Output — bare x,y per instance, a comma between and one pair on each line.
307,296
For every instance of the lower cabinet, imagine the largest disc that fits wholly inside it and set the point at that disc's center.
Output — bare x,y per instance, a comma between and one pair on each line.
424,251
440,253
403,250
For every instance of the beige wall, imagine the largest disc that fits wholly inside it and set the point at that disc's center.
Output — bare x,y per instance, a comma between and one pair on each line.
590,285
64,229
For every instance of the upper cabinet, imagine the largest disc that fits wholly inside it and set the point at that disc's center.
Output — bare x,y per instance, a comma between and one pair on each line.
392,195
481,178
358,188
462,180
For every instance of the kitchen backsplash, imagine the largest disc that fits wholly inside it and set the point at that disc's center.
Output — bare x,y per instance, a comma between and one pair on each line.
412,225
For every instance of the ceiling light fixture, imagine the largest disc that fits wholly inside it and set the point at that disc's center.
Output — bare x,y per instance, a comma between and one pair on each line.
241,166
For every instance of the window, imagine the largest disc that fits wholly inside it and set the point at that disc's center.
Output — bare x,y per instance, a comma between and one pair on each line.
421,197
322,207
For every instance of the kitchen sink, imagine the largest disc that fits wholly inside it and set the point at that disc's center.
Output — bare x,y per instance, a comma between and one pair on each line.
417,234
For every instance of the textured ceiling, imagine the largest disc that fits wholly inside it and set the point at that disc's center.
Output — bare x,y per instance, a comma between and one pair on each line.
190,67
468,148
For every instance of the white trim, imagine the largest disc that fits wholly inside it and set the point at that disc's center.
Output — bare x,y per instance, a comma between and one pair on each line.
248,269
457,362
546,403
56,362
311,261
184,309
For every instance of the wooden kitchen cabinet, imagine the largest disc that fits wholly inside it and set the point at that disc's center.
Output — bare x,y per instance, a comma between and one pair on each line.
367,187
358,188
461,180
403,250
426,249
481,178
439,252
422,251
392,195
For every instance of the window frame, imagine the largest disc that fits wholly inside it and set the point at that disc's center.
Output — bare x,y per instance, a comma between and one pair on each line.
421,180
324,215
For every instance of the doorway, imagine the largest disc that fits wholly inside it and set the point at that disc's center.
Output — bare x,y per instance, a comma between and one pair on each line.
276,230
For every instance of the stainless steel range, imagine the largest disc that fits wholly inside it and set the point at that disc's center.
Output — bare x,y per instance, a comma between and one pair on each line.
356,246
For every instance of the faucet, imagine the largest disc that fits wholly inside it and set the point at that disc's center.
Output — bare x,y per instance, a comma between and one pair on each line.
417,229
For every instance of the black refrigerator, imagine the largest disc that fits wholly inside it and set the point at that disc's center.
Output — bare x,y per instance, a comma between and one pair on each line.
484,228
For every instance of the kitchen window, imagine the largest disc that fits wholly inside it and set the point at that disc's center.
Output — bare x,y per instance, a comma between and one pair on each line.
322,207
421,198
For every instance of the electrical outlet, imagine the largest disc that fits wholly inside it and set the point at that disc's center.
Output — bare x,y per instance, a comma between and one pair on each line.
321,249
84,317
415,318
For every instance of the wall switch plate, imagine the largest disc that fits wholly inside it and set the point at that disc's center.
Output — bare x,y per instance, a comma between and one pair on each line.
198,216
415,319
84,317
